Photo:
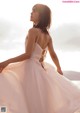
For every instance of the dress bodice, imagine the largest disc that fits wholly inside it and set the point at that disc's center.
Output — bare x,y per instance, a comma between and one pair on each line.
39,53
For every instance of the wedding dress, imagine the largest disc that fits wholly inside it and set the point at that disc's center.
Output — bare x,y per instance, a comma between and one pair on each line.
30,86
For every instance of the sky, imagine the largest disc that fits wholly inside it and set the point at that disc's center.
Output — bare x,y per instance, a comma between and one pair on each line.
65,29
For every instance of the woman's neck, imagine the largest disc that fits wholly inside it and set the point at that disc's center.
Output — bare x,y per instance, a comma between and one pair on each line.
35,24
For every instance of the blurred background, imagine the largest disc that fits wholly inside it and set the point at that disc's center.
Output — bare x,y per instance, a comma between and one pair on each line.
65,31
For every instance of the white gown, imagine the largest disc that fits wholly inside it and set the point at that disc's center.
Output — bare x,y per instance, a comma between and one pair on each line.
27,87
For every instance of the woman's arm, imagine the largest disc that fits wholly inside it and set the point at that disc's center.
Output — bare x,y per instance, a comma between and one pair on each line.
18,58
12,60
29,48
54,56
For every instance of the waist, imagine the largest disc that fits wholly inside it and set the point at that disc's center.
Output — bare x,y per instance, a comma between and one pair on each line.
39,61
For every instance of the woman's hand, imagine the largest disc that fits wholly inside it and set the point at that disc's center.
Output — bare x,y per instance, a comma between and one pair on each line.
59,71
3,65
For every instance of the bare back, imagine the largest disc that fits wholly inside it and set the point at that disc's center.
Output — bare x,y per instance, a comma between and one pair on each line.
42,39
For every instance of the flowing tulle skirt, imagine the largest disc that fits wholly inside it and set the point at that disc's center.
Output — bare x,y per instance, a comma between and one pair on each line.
27,87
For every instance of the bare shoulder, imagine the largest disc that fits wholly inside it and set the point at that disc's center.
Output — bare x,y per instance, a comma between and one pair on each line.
32,34
33,31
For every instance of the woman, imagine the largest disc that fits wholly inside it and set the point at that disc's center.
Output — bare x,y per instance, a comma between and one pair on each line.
40,88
